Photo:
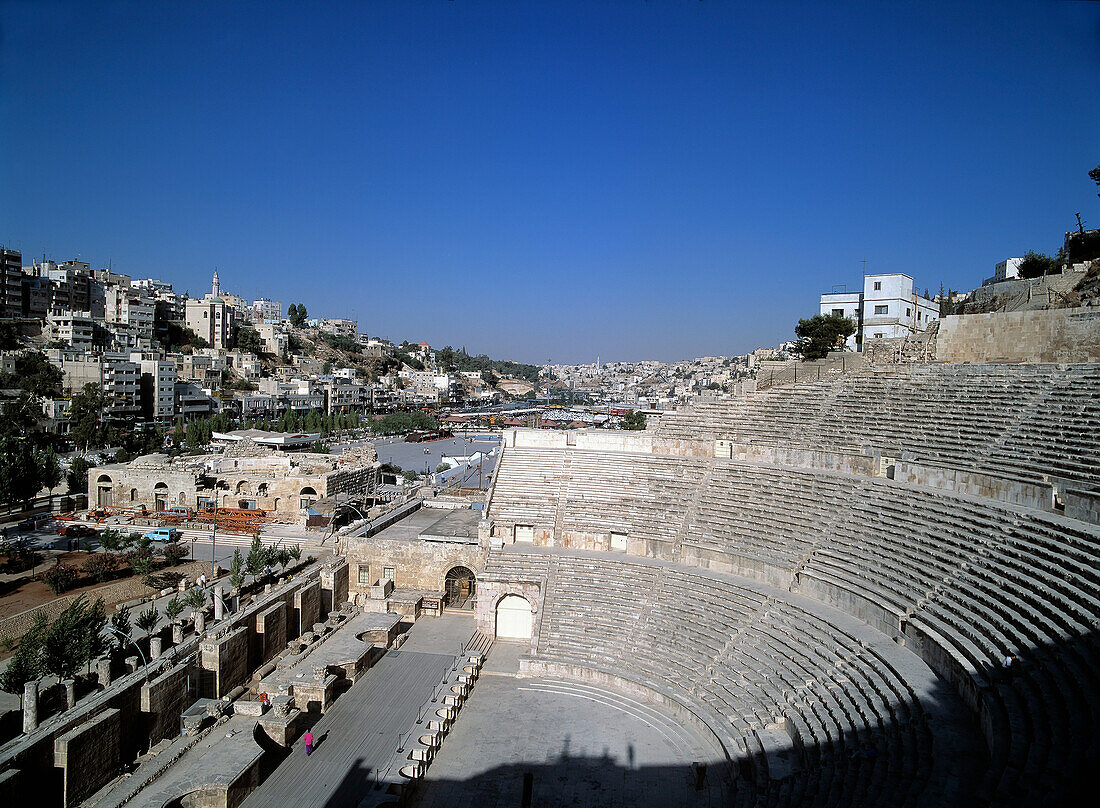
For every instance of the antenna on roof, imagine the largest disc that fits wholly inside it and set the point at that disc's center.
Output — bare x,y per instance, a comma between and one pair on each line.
1080,226
864,262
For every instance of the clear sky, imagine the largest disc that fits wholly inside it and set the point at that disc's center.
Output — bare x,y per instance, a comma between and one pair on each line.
535,180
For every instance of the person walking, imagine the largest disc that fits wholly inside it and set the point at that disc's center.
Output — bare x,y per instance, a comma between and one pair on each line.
308,738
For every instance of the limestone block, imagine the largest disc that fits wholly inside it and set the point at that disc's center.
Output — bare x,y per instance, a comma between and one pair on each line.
88,755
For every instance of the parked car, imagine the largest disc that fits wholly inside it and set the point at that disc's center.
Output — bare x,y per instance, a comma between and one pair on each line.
163,535
76,531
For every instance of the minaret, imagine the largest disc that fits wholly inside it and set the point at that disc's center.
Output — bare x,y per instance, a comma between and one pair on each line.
217,286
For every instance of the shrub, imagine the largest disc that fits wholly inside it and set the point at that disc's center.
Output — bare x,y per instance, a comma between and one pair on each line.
174,554
148,619
102,566
59,577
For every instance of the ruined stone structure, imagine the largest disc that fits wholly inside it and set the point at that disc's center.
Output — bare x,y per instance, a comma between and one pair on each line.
286,485
820,569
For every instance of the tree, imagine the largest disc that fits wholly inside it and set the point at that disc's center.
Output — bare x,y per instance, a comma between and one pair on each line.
634,420
1036,265
77,478
410,476
236,570
86,415
26,664
257,556
74,638
196,598
248,339
120,622
147,620
1094,175
297,314
442,467
49,470
20,471
110,539
173,608
295,551
822,333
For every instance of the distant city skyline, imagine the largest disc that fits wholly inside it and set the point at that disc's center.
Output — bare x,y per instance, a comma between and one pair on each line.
548,181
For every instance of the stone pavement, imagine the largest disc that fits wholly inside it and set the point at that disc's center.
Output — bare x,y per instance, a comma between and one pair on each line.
357,737
580,745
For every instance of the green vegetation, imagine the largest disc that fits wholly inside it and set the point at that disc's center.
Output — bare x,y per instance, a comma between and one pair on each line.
147,620
175,337
77,478
1036,265
248,339
400,422
61,648
822,333
341,342
59,577
297,314
26,469
635,420
34,374
451,360
237,570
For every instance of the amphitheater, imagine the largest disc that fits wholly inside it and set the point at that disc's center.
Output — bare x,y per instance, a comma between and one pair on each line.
826,579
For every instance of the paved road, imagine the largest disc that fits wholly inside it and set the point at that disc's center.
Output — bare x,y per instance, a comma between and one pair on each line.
356,737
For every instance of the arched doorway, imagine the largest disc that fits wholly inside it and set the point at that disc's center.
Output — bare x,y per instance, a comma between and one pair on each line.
103,491
514,618
160,496
460,586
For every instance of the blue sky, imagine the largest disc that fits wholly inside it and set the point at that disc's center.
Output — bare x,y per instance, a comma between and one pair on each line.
536,180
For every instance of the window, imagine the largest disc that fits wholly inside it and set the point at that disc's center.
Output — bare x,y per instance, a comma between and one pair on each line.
908,311
838,312
878,335
878,286
389,573
881,309
918,316
364,574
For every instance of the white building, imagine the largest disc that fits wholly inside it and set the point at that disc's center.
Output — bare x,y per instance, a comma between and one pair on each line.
887,307
1004,271
264,310
211,317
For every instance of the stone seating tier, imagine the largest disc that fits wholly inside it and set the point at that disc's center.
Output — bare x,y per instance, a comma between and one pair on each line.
754,662
1022,420
963,580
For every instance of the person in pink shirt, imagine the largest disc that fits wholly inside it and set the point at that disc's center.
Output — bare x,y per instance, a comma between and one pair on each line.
308,738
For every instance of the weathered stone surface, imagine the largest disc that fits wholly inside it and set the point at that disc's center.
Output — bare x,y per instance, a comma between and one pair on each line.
88,755
224,660
164,698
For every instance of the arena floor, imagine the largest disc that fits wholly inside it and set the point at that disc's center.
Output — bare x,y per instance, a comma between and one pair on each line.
580,745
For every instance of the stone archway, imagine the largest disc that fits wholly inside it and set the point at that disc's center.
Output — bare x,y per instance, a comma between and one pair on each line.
460,587
103,491
513,618
160,497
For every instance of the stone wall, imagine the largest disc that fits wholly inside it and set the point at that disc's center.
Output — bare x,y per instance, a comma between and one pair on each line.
307,608
334,587
1027,494
164,699
89,756
603,440
224,660
489,594
417,564
270,632
1047,335
846,462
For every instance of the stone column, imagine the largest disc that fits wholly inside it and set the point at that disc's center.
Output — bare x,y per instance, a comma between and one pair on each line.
70,693
156,647
219,603
200,621
177,633
103,672
132,664
30,706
